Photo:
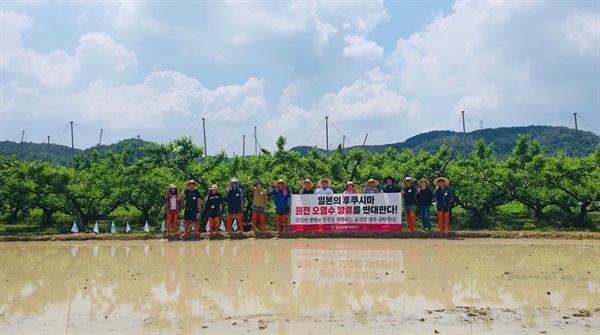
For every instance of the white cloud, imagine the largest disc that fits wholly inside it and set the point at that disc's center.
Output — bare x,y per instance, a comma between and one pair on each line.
583,30
358,47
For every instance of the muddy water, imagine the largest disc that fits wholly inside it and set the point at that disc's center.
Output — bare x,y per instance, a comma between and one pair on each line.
301,287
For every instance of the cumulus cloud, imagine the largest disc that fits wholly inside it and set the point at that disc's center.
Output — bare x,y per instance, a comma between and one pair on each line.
583,30
358,47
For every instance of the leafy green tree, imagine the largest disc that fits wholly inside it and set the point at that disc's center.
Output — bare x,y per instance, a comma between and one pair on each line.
51,183
16,187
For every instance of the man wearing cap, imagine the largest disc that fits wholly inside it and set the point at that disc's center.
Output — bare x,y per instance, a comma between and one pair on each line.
172,207
409,194
323,187
443,197
371,186
235,203
306,187
214,206
282,195
424,198
390,185
259,204
193,203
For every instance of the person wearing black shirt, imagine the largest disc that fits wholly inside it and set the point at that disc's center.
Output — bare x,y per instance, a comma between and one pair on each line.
193,202
214,206
424,199
390,185
409,193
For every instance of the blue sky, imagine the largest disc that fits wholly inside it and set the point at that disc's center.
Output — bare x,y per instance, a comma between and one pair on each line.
390,69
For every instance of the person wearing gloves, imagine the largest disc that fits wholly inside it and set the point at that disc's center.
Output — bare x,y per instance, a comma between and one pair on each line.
282,195
409,193
235,203
259,204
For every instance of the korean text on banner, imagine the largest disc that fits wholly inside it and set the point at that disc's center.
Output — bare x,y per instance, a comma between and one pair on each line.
346,212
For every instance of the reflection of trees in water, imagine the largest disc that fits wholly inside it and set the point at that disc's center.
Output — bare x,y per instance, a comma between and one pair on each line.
194,283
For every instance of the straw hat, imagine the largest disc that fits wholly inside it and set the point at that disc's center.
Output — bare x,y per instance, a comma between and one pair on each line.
191,182
214,187
372,180
423,180
436,180
349,183
408,179
307,181
322,180
281,181
172,186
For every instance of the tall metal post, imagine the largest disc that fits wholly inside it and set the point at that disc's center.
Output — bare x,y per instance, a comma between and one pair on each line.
327,134
244,146
48,139
72,144
255,143
204,133
463,121
20,144
343,142
100,142
576,135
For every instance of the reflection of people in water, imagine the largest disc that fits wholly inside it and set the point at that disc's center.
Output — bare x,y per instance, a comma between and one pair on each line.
172,273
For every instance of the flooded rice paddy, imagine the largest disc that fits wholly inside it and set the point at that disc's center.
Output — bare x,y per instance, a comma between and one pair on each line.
302,286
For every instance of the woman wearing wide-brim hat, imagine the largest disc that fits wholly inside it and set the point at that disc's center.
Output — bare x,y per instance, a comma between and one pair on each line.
323,186
214,207
350,188
390,185
424,199
443,197
259,204
371,186
193,204
307,187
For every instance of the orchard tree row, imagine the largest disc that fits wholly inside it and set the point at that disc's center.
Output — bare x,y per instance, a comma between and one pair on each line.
98,184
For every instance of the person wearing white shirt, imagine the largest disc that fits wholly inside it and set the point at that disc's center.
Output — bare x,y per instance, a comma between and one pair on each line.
323,187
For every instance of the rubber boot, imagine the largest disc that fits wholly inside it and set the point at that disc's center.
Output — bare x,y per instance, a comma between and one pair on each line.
263,225
285,222
197,228
254,217
187,228
229,222
446,222
277,222
168,232
440,221
413,221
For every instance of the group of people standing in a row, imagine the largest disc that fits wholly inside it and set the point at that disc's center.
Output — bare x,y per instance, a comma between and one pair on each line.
416,199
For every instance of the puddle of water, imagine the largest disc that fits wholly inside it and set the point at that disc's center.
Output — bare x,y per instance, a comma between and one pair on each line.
333,286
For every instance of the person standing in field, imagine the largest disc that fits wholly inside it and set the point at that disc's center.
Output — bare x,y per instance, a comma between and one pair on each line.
371,186
172,207
259,204
214,207
235,203
307,186
390,185
443,197
282,195
409,194
323,187
350,188
193,203
424,198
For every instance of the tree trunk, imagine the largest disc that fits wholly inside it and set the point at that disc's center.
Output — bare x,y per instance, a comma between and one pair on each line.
538,210
47,219
14,215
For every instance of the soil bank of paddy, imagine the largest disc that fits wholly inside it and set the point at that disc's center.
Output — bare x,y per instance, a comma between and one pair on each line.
312,234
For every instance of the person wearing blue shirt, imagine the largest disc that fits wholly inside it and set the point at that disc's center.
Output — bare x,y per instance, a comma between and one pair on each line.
282,195
443,197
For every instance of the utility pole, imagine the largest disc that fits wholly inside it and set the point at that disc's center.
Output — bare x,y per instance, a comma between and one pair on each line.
327,134
244,146
48,139
576,135
463,121
72,144
365,141
343,142
101,131
255,143
20,144
138,147
204,133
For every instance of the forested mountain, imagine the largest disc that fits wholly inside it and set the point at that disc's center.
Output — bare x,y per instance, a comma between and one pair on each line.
552,140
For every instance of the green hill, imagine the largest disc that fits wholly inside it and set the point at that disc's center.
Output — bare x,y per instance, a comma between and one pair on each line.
552,139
